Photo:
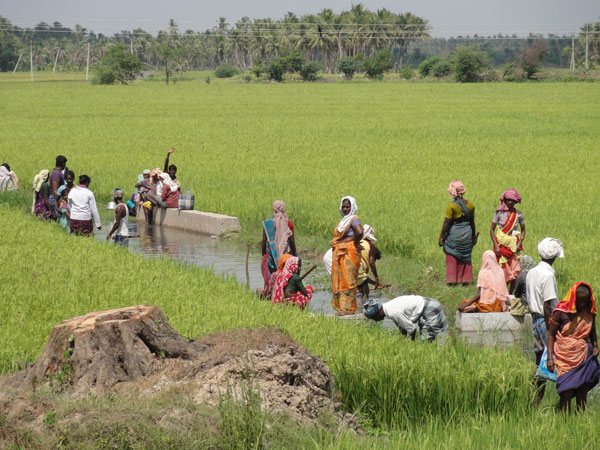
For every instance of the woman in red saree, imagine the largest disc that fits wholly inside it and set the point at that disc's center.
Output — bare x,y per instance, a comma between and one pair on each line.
346,258
288,287
506,238
573,346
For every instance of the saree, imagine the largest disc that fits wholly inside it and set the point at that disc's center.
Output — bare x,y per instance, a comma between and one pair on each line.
509,253
576,367
344,272
272,253
281,281
459,240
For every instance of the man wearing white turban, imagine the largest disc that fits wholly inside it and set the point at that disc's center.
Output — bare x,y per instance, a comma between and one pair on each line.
542,296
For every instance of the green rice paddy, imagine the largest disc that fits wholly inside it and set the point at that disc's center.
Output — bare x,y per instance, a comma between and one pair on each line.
393,145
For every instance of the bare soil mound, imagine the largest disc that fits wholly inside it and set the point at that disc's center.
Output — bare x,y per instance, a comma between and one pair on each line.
135,351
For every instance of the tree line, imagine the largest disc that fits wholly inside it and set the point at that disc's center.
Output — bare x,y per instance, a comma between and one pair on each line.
326,37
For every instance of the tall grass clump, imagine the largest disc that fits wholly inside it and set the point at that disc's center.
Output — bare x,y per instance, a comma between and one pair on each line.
388,379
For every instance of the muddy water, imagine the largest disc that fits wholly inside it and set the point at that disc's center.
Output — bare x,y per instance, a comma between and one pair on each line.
224,258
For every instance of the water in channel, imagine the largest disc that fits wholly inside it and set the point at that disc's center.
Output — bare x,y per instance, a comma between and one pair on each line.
223,257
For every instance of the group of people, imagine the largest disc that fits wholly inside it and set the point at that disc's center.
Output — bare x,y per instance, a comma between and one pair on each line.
55,197
508,281
280,264
158,189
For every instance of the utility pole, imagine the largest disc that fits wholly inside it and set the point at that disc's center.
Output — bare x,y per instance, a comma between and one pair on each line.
18,61
55,61
131,44
87,67
587,44
31,60
573,54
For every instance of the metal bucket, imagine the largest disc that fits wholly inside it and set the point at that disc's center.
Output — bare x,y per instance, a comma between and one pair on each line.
111,205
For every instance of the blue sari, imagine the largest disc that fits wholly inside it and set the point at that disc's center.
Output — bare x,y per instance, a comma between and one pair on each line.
269,227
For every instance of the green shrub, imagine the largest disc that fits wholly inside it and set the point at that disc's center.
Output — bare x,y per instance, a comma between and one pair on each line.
258,70
276,69
349,66
407,73
377,65
441,68
226,71
293,62
118,65
425,66
508,73
469,63
310,70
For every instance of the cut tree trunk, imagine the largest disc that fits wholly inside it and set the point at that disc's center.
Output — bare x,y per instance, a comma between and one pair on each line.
98,350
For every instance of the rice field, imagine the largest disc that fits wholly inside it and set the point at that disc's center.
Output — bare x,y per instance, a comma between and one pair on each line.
394,146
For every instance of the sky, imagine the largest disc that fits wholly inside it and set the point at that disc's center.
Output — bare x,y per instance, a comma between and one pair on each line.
448,18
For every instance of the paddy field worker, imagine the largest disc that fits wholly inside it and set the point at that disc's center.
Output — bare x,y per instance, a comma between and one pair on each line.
410,312
506,238
542,297
573,346
277,240
288,287
121,225
458,236
492,294
346,257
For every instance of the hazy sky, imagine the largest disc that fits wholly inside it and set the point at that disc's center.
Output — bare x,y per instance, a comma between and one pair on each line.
447,17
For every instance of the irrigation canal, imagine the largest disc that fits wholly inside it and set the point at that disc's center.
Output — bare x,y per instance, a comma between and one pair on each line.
223,257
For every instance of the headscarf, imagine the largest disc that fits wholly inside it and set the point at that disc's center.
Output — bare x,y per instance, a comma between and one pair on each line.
156,172
38,181
456,188
369,233
568,304
347,219
491,275
117,193
282,261
511,194
145,172
370,309
526,262
282,228
166,179
289,269
550,248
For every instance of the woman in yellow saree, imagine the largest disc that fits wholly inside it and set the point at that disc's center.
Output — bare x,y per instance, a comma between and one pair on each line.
506,238
346,258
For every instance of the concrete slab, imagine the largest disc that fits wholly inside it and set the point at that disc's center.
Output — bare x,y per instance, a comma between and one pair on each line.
199,221
493,328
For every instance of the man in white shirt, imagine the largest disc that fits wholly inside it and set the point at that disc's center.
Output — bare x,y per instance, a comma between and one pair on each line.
542,296
410,312
82,206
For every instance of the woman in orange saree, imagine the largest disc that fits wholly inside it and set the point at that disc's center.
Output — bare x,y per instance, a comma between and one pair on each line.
573,346
346,258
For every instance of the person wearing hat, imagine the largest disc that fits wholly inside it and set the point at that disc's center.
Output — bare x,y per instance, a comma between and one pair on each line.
121,225
542,297
410,312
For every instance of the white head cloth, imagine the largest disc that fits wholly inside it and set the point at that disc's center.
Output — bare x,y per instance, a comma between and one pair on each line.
549,248
347,219
369,233
166,179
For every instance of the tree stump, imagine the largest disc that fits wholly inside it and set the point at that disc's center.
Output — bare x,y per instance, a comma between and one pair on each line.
101,349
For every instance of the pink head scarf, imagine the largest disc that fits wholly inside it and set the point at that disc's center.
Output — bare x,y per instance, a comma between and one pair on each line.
456,188
511,194
282,228
491,275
